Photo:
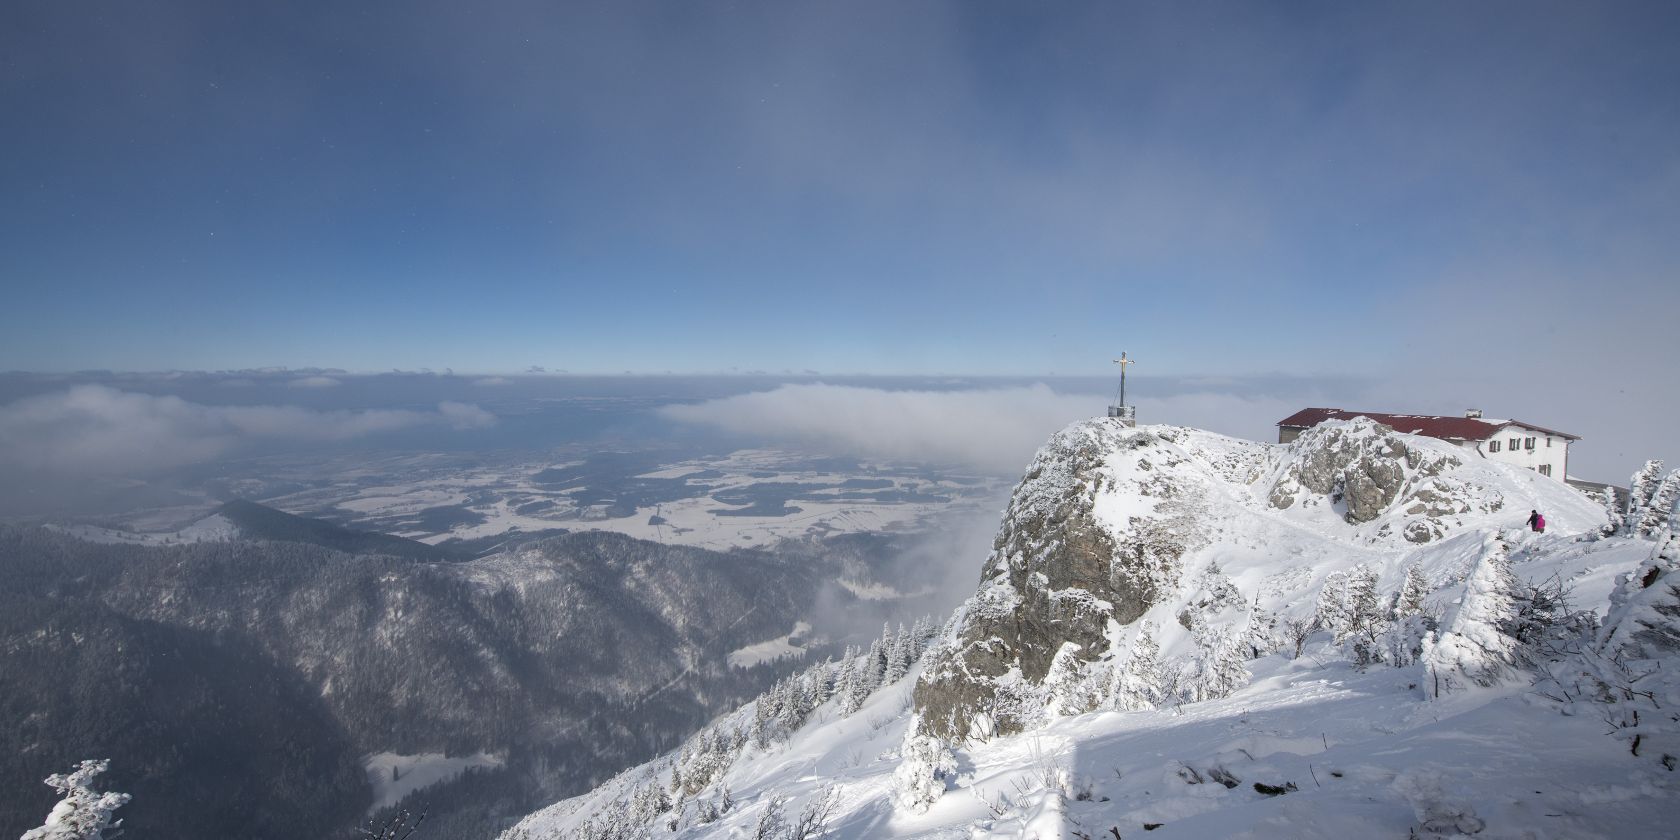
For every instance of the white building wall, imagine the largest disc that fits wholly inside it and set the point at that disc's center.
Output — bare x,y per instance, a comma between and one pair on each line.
1549,450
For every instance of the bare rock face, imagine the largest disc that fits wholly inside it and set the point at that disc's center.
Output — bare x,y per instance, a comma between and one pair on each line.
1059,572
1101,528
1366,467
1366,471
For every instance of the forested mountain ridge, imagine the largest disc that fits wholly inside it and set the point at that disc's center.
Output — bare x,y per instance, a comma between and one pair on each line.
261,522
245,661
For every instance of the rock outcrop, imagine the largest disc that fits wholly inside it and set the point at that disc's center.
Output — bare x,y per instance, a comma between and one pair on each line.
1111,523
1064,570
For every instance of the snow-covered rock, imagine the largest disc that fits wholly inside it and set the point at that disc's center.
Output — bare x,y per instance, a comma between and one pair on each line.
1211,537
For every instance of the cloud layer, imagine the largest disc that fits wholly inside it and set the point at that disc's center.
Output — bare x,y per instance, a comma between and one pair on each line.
99,430
992,430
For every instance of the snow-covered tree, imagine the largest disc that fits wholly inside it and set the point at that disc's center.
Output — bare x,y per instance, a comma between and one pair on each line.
900,655
1262,635
1413,590
1613,513
1660,516
1222,665
1640,516
925,769
1350,607
1473,646
1409,622
1073,686
1141,682
83,813
1331,612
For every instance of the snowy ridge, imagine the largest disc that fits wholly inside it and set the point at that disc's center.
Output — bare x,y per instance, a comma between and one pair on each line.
1204,637
212,528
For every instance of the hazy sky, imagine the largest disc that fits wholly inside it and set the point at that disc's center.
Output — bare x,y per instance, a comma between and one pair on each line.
1480,191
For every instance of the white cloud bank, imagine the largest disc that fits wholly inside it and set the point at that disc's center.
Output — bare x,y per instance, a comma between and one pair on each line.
993,430
95,429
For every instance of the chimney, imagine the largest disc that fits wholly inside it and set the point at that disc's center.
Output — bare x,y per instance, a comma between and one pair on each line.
1474,414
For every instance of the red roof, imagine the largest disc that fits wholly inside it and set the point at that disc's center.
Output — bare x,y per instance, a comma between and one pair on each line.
1431,425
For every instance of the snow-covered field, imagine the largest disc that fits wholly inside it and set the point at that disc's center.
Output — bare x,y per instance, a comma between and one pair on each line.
705,522
770,650
395,776
435,498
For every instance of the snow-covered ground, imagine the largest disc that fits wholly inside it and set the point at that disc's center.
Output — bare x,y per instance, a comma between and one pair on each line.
770,650
395,776
1365,751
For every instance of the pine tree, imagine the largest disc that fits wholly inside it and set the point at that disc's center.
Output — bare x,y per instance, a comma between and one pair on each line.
1331,612
877,661
899,656
1261,634
1413,591
1223,668
1473,646
1141,681
1366,620
1642,492
83,813
1409,624
1613,513
925,768
1660,517
1073,686
845,680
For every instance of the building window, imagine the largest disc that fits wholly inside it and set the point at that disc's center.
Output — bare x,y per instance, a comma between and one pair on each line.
1493,446
1515,443
1548,441
1545,469
1528,443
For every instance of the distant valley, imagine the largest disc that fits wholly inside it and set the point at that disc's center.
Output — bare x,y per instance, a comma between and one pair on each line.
265,663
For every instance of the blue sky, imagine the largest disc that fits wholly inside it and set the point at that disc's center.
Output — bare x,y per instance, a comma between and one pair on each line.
985,188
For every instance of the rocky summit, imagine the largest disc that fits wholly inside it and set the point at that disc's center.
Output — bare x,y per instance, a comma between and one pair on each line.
1112,525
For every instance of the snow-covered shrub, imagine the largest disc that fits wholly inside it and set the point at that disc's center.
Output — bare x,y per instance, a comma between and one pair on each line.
1222,665
771,821
83,813
1350,607
1073,686
925,769
1652,502
1473,646
1331,611
704,760
1644,617
1263,634
1141,682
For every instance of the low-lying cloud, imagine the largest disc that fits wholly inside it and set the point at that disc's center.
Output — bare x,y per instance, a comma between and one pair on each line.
99,430
994,430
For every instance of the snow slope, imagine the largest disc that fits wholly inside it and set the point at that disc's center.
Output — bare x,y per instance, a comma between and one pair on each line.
1217,545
